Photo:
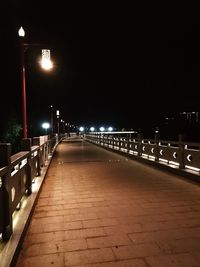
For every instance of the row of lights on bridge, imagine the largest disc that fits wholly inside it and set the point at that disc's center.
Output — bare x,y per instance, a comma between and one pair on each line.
47,125
93,129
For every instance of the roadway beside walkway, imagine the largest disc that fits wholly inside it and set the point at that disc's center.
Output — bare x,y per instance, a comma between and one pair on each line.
100,209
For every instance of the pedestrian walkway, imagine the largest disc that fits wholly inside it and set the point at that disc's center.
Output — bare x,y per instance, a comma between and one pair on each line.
100,209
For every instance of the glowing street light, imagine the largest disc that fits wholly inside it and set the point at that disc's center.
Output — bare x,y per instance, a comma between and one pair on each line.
46,62
102,129
92,129
110,129
46,126
81,128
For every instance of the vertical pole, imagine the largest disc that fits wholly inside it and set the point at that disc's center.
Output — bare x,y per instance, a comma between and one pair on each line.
67,128
36,142
128,142
119,140
58,126
139,137
52,126
25,132
157,138
181,151
26,146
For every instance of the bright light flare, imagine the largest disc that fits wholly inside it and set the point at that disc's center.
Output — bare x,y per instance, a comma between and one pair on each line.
21,32
92,129
110,129
45,125
102,129
81,128
46,64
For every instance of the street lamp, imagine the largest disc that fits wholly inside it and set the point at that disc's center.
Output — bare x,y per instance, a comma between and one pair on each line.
45,63
52,128
57,115
63,122
21,33
46,126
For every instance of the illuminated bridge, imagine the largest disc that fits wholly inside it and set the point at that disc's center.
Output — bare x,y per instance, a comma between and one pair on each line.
98,200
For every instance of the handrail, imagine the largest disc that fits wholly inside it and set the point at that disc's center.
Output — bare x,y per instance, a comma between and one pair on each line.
17,173
176,154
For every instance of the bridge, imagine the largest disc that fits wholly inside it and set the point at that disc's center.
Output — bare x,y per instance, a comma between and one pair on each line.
100,199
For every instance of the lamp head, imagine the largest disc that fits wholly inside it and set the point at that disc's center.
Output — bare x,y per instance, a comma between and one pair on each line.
21,32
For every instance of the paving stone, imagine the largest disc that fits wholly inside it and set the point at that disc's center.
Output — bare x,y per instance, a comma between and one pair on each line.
111,212
89,256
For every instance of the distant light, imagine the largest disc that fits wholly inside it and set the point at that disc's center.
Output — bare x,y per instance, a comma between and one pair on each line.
92,129
102,129
45,125
57,113
81,129
21,32
110,129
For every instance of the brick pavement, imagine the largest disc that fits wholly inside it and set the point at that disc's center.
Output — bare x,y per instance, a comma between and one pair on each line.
99,209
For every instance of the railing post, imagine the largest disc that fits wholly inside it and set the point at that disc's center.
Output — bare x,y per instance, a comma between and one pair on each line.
36,142
46,151
42,153
157,138
49,144
181,139
103,139
99,139
26,146
5,154
128,142
119,140
113,141
139,137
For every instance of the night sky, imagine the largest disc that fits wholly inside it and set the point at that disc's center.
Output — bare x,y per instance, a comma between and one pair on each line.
125,65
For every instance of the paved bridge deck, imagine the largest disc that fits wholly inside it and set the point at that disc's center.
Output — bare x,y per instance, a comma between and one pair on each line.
97,208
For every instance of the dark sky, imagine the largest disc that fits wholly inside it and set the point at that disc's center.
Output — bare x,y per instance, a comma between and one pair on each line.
121,64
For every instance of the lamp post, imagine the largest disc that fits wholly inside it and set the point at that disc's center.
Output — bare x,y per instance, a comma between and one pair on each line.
52,128
58,114
63,129
21,33
45,63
